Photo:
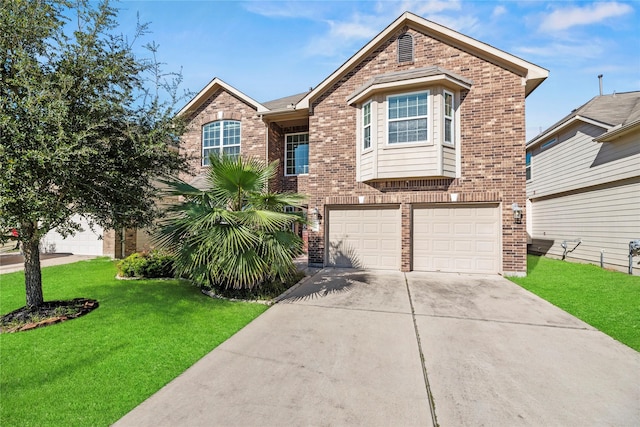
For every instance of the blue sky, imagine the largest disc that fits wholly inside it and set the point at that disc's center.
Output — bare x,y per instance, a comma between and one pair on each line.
271,49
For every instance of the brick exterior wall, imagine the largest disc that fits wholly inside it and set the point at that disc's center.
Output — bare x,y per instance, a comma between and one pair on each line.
252,132
492,121
492,144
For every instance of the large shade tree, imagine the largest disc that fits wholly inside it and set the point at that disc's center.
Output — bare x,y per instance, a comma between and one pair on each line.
83,128
235,232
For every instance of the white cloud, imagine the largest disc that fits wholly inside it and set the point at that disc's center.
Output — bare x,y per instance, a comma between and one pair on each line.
428,7
285,9
566,51
563,19
498,11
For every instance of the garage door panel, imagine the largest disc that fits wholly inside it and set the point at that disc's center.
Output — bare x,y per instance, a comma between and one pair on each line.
85,242
456,239
364,238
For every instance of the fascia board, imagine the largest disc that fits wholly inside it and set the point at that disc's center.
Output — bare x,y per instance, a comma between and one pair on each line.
211,87
613,134
561,126
527,70
405,83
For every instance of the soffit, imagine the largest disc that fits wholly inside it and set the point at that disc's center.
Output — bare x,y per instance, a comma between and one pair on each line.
420,76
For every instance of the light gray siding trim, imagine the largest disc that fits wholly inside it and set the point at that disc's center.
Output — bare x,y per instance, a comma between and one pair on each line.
577,161
449,161
366,166
605,218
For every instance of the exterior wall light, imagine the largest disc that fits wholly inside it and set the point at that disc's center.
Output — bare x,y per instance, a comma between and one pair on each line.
517,213
315,219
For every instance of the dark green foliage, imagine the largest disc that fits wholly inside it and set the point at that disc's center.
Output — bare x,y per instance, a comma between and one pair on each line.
266,291
235,234
82,127
153,264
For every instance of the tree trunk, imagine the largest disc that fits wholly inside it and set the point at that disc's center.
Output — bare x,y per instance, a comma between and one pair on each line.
32,272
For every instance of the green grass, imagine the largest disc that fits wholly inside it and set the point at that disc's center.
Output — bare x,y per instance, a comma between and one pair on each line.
92,370
607,300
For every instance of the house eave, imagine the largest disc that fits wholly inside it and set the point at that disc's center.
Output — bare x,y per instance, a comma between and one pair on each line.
284,114
441,77
210,89
561,126
614,133
531,73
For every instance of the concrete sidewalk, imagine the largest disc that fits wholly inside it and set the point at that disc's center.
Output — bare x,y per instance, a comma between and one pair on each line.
11,262
385,348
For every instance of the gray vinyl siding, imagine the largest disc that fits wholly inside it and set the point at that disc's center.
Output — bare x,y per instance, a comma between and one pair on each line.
577,161
405,162
449,161
606,218
367,166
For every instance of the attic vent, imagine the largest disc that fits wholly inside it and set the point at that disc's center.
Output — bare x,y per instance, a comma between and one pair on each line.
405,48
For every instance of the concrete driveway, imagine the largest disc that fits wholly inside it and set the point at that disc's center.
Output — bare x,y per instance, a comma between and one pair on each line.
386,348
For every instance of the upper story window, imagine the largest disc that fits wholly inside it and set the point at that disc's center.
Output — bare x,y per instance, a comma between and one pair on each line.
220,138
549,143
366,126
528,165
405,48
407,118
449,108
296,153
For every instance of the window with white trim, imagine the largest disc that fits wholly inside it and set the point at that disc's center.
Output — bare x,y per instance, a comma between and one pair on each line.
407,118
296,153
449,108
218,138
366,126
528,165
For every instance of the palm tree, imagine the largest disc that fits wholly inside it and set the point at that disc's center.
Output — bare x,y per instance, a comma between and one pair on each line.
235,233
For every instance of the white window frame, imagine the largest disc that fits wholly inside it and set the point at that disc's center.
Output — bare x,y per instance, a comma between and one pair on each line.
426,116
286,154
528,170
367,126
220,146
451,117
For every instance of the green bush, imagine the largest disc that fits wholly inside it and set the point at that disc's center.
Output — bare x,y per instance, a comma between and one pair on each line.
147,264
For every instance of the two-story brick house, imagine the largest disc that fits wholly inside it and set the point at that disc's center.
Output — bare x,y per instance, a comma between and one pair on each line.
412,152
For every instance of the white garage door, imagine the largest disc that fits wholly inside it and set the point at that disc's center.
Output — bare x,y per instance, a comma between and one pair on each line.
364,238
462,239
86,242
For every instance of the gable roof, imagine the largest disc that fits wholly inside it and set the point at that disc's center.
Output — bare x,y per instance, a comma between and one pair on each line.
610,112
211,88
533,74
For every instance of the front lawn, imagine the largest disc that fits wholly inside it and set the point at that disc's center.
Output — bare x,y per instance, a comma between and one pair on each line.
92,370
607,300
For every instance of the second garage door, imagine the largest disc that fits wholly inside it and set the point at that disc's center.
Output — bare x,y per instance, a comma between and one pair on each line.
461,239
364,238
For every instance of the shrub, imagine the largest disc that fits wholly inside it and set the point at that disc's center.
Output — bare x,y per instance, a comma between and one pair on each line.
147,264
265,291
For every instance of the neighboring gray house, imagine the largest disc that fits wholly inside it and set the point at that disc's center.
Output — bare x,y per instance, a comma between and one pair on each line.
583,183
